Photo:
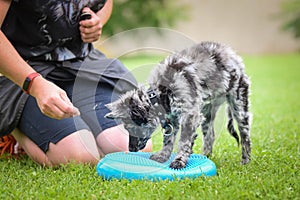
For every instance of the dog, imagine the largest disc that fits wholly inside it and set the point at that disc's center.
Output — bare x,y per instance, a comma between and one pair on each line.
185,91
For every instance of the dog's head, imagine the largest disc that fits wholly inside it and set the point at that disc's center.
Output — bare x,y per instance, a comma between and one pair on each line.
136,113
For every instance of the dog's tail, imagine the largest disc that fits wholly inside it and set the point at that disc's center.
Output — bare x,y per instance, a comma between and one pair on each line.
230,126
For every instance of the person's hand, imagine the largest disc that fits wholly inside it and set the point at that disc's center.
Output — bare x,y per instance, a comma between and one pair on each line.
52,100
90,29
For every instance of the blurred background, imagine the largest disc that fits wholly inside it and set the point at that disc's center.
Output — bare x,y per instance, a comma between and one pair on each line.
265,33
249,26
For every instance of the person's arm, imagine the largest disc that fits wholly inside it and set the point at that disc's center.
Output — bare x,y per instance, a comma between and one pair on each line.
9,58
51,99
105,13
91,29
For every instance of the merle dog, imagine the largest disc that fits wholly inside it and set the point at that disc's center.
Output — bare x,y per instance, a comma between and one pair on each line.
186,90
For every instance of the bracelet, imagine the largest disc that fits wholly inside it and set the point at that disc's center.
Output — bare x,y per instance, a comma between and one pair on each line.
28,81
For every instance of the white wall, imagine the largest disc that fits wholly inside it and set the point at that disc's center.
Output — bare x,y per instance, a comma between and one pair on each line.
250,26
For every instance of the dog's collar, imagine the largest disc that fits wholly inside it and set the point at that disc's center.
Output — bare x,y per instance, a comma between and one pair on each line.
167,126
152,96
165,123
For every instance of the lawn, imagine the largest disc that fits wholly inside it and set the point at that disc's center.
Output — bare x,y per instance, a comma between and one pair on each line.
272,174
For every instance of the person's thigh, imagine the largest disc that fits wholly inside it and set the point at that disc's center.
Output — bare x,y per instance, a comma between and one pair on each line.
42,129
113,139
91,100
116,139
78,147
60,141
31,149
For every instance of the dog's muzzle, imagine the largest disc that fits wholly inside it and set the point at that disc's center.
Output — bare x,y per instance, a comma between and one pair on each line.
136,144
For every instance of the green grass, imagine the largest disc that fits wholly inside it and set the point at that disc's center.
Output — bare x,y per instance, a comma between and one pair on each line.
272,174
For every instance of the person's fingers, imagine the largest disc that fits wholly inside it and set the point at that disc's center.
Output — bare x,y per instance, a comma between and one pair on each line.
87,9
75,111
91,34
90,38
92,22
58,107
66,106
54,112
52,100
90,29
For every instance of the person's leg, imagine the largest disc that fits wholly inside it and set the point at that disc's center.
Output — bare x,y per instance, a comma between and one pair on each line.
76,148
54,142
116,139
31,149
110,136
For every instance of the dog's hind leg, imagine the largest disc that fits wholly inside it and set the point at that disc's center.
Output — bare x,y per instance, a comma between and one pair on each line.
209,111
230,125
238,101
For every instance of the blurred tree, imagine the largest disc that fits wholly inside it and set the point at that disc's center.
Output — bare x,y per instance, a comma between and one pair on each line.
291,12
129,14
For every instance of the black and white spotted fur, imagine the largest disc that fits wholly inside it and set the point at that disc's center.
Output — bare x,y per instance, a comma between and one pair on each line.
186,90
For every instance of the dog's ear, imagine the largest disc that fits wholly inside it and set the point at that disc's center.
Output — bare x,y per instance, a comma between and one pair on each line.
178,62
138,115
139,110
130,105
109,106
118,110
110,115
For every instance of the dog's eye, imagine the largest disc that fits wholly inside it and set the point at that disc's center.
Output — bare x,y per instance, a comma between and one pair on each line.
139,121
138,115
137,118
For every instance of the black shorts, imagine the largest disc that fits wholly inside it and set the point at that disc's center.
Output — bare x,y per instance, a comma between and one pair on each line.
88,93
42,129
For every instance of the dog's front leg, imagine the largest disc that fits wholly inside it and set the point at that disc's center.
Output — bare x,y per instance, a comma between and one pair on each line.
168,144
186,141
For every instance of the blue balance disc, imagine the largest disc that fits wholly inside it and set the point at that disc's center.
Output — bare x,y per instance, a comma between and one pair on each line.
139,166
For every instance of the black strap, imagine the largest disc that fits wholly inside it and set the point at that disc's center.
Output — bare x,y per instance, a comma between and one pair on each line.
165,123
152,96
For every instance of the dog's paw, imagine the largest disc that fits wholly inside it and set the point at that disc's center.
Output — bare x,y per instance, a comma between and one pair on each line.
207,152
177,164
245,161
208,155
159,157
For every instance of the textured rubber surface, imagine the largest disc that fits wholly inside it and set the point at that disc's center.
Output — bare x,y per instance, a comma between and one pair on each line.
138,166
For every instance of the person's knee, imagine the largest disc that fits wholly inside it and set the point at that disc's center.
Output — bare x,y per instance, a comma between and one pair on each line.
79,147
31,149
116,139
113,139
148,147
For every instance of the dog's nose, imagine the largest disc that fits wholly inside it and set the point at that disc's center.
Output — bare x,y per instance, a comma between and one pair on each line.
133,144
133,149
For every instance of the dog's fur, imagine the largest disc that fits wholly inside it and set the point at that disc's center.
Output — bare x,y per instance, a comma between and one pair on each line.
190,87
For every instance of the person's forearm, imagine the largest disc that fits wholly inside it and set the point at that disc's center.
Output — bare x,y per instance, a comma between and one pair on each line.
4,5
12,65
105,13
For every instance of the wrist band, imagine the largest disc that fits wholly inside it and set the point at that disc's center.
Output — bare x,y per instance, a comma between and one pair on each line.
28,81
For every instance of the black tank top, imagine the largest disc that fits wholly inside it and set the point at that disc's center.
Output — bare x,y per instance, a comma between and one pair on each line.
48,29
